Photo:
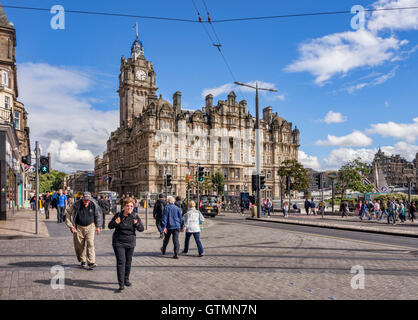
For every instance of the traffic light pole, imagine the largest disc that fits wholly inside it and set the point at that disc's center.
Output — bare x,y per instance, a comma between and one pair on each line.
257,150
37,185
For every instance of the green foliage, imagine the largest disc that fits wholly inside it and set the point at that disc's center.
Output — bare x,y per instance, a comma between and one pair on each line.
218,181
399,196
51,181
351,177
297,172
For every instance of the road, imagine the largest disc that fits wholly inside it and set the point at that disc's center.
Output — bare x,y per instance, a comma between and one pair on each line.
388,240
243,260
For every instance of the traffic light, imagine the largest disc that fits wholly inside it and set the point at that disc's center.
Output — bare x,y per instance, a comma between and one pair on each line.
200,176
44,164
318,179
254,182
262,182
26,159
168,180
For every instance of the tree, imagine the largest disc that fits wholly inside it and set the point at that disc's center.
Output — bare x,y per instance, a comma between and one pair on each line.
351,177
297,172
51,181
218,181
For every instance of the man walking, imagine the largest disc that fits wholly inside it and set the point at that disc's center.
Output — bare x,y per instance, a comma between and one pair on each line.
157,212
307,206
173,223
61,205
47,203
313,211
83,218
392,211
105,206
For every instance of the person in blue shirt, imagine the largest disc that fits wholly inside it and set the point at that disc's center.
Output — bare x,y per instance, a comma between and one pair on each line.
61,205
172,223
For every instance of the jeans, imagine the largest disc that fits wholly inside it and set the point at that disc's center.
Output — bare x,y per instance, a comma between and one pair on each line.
123,263
364,212
175,233
392,214
196,236
158,224
384,212
60,214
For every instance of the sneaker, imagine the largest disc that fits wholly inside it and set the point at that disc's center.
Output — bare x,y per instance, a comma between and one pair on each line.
202,254
176,257
83,264
121,288
92,266
128,283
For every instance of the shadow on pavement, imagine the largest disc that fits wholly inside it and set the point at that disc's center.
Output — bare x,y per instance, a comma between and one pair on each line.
82,284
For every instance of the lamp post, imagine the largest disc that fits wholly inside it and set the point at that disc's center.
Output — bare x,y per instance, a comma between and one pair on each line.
257,138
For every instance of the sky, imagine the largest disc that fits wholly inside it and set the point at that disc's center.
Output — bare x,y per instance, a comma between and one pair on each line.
349,87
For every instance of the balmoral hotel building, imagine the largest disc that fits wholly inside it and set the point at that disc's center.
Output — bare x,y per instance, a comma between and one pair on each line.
156,136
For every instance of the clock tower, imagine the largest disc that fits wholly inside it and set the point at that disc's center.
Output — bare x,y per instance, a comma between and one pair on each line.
137,86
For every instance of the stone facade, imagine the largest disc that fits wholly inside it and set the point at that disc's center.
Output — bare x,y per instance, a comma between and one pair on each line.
395,169
157,137
79,181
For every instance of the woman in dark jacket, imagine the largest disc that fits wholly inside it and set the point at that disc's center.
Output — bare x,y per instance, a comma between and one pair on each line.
124,240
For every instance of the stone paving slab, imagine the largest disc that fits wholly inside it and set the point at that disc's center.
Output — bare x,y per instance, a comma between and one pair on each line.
22,225
241,262
350,223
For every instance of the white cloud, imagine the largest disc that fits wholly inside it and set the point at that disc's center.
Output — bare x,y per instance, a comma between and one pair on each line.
379,79
228,87
356,138
339,53
338,157
334,117
394,19
69,153
53,97
402,131
308,161
405,150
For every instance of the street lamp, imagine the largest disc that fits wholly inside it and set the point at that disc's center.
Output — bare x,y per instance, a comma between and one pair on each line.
257,138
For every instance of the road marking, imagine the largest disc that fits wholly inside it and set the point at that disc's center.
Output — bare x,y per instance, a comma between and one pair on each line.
338,238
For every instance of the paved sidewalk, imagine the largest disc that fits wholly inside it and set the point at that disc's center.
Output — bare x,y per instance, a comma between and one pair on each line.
22,225
348,223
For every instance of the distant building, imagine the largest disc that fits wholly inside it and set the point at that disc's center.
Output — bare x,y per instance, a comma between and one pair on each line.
14,132
156,137
79,181
327,177
396,169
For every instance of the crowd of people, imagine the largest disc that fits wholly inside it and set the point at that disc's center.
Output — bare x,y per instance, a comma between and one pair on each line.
86,217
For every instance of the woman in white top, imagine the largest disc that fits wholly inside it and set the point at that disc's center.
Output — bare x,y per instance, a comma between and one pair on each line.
192,219
286,209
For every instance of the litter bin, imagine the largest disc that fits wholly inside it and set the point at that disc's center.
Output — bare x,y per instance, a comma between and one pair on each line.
253,211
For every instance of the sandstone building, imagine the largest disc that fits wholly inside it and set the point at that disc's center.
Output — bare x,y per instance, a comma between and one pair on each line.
156,137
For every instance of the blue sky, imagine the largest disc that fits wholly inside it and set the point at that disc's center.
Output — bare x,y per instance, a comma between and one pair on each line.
364,80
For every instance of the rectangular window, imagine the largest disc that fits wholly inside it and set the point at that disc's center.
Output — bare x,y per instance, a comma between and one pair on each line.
7,102
17,120
5,79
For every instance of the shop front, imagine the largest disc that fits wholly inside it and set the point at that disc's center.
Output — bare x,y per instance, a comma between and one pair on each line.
10,173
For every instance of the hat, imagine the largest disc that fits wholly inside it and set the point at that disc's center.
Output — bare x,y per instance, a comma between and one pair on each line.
86,196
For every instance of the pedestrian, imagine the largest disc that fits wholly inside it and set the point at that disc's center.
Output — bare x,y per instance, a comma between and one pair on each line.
392,211
364,211
61,203
285,209
376,208
158,213
401,211
412,210
125,224
343,209
105,206
178,202
47,204
83,218
172,223
383,209
192,221
313,207
307,206
33,203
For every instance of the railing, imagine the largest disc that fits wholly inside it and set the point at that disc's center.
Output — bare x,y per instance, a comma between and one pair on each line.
5,115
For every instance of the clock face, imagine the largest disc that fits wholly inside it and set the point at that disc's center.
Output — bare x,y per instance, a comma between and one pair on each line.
141,75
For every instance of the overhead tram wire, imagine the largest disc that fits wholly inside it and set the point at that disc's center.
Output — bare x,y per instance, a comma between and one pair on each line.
217,45
212,21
